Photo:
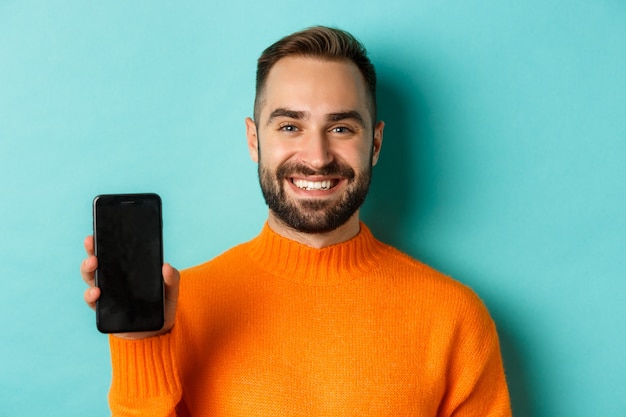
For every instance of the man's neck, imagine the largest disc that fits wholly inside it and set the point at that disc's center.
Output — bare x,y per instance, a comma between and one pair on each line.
316,240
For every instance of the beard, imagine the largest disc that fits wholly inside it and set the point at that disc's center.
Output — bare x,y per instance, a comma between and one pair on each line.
314,215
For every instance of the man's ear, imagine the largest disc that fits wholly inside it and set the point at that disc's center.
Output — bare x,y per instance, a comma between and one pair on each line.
378,141
253,143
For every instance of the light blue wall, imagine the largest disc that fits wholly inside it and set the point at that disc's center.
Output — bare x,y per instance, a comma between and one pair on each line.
503,165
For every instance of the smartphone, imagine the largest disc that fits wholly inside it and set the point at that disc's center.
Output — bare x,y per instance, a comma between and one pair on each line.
128,242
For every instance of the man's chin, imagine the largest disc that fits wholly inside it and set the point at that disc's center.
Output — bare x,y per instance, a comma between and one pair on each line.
310,222
314,214
314,207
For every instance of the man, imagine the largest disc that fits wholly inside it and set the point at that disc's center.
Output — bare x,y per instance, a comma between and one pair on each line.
313,317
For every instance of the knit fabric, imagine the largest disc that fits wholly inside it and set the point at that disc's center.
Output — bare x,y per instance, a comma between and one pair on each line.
275,328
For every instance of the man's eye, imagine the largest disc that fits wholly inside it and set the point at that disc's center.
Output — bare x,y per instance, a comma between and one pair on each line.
288,128
341,129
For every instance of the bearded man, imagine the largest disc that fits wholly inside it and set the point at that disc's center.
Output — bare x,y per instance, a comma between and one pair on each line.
314,316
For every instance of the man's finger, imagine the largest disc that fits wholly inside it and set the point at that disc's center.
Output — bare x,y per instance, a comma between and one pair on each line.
171,277
88,268
89,245
91,296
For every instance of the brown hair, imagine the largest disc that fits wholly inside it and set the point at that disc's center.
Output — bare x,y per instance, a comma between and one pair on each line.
320,42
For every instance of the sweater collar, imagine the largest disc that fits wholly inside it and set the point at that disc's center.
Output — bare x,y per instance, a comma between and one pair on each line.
326,266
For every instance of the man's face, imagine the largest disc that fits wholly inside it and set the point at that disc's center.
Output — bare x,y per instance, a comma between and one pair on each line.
315,143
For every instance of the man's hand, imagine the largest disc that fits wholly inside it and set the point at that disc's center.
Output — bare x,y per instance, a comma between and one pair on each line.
171,278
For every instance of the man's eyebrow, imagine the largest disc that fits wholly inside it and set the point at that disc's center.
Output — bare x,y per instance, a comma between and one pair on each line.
351,114
282,112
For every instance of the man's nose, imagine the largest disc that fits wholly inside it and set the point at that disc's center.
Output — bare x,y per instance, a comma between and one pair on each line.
316,151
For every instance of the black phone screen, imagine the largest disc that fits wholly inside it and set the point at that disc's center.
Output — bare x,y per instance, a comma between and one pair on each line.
129,248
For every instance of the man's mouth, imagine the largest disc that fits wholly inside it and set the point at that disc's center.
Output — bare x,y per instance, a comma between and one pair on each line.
314,185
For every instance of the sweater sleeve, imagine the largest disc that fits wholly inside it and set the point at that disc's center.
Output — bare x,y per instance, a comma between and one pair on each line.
145,380
476,380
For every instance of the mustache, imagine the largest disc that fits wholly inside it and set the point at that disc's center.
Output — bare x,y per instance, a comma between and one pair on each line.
332,169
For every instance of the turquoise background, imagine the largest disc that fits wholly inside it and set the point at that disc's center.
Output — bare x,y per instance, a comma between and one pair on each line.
502,165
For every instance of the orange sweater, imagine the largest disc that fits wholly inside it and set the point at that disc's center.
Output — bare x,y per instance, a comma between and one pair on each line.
275,328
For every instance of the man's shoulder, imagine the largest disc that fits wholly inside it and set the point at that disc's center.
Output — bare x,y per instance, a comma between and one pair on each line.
236,256
404,268
396,259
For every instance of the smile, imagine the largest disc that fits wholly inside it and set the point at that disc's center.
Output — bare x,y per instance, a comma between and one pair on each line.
314,185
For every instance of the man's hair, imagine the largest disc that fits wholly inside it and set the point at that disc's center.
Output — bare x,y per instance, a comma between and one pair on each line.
317,42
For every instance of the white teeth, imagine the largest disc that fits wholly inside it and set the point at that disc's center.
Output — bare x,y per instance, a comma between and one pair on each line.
313,185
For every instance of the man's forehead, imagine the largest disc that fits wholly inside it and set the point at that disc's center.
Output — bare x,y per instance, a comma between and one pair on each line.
301,83
299,67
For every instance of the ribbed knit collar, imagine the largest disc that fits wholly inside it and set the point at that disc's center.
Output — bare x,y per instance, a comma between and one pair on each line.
326,266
